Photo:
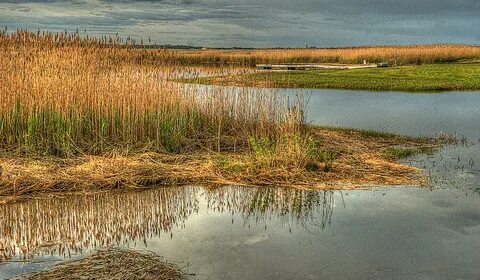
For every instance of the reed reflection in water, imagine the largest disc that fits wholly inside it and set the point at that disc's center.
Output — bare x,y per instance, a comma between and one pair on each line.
73,224
295,207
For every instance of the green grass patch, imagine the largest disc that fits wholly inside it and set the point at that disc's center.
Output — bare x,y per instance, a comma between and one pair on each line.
423,78
228,164
405,152
369,133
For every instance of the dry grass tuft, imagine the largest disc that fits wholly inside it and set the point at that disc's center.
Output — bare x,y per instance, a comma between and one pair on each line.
112,263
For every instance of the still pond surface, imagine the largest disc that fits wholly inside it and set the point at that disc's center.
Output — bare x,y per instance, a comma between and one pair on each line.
277,233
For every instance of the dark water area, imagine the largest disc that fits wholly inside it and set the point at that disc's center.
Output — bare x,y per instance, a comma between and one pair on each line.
278,233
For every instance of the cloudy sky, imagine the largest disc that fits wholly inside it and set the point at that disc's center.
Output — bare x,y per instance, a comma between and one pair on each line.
256,23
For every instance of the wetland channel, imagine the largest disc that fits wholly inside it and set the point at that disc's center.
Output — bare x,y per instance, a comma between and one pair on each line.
278,233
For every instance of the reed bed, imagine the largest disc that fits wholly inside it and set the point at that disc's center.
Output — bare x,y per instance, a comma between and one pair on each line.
112,263
64,95
399,55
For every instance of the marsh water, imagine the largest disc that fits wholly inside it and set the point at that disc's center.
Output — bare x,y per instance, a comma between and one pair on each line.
278,233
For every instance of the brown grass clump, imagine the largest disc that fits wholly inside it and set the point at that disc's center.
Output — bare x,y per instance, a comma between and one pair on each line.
112,263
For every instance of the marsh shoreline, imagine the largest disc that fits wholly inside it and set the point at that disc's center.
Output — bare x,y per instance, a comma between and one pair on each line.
352,159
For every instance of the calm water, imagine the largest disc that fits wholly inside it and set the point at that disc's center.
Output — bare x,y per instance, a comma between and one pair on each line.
248,233
403,113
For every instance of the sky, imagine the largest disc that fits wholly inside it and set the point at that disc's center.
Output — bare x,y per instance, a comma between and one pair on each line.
256,23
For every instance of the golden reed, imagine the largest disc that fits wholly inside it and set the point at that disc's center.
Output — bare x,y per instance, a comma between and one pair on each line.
63,94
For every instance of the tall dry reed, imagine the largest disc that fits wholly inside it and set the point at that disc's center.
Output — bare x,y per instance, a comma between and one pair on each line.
400,55
62,95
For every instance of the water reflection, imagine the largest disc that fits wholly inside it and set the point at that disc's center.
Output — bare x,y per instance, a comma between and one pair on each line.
71,225
293,206
386,233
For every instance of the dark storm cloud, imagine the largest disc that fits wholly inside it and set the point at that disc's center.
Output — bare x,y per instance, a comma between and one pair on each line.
257,23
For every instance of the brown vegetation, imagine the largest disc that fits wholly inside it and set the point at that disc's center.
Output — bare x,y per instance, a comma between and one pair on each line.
345,160
400,55
64,96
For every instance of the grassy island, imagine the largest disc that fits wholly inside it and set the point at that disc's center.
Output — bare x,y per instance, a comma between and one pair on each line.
80,114
412,78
